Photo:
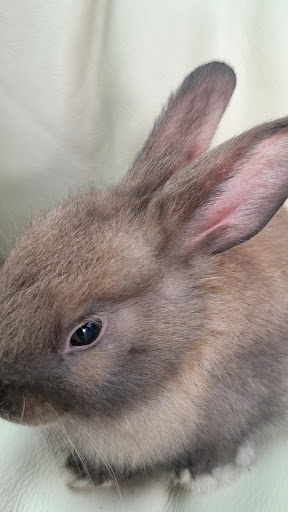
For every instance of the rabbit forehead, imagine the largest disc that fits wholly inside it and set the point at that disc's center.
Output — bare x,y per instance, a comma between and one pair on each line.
106,252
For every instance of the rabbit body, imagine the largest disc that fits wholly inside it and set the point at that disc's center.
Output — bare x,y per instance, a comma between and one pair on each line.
192,354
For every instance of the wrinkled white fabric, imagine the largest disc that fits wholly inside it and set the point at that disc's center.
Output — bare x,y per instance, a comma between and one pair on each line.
81,82
33,481
80,85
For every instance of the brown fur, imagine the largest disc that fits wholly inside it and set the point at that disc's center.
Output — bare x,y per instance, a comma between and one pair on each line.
195,356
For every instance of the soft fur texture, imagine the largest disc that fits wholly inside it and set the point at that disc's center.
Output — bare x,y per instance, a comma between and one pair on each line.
194,358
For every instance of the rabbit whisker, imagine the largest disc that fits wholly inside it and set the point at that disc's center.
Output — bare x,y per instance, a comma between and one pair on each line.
101,455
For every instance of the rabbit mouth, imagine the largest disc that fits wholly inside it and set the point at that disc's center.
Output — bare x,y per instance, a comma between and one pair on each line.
25,408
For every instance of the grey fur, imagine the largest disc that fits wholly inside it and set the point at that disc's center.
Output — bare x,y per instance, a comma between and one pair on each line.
195,356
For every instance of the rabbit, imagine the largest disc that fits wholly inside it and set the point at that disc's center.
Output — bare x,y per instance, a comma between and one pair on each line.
149,320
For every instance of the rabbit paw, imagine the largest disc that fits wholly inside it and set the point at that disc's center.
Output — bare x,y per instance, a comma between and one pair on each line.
217,476
83,477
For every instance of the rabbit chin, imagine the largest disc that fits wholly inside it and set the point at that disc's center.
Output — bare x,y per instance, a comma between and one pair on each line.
144,435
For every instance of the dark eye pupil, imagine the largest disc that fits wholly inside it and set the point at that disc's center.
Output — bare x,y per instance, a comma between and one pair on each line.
86,334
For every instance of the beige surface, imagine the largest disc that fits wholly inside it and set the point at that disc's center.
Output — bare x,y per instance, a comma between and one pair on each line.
31,481
80,83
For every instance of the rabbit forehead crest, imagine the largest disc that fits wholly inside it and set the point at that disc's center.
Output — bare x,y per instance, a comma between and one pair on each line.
77,248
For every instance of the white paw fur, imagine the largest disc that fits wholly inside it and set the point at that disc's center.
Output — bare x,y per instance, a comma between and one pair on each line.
79,484
84,484
220,475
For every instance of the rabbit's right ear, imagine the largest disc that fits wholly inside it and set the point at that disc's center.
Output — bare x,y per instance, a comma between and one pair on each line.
185,128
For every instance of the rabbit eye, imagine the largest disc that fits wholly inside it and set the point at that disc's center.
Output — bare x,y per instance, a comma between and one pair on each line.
86,334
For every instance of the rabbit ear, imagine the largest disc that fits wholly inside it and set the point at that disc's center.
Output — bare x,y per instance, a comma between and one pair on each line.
185,128
230,193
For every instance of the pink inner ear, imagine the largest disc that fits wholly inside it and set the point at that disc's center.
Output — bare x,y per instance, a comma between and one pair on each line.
192,145
204,136
247,198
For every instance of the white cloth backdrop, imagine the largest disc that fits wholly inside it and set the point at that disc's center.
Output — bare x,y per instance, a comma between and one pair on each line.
80,84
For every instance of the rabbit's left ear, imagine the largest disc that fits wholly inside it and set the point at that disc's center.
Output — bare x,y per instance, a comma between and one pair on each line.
185,128
229,194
